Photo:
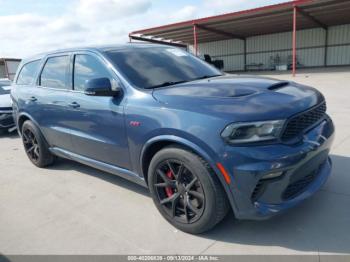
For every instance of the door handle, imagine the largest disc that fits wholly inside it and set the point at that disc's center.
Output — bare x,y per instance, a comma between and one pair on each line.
33,99
74,105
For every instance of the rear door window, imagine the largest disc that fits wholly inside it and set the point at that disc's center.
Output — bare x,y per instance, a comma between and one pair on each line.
87,67
54,73
28,73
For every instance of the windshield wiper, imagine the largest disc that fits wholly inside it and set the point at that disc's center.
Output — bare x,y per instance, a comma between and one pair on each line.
205,77
167,83
170,83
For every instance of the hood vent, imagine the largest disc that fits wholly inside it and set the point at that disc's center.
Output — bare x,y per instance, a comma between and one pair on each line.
278,85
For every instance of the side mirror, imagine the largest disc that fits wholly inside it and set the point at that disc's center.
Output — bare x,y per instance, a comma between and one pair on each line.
101,87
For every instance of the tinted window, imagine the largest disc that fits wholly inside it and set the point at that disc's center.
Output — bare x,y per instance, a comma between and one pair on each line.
148,67
55,72
87,67
27,74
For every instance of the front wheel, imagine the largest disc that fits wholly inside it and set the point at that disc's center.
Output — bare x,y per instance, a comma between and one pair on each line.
186,191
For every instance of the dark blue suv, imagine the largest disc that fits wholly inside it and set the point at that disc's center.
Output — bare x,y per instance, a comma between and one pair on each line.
201,141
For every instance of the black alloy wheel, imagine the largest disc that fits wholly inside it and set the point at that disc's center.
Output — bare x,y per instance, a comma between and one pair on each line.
179,191
185,190
35,145
31,145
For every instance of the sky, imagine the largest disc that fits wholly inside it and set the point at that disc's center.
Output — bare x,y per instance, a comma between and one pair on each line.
28,27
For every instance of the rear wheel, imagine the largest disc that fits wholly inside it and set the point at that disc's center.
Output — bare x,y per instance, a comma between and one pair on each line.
186,191
35,145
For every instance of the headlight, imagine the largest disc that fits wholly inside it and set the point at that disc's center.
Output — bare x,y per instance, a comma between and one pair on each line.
247,132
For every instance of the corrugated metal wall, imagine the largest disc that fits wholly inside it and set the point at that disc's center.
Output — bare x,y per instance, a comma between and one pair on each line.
265,51
230,51
338,54
2,70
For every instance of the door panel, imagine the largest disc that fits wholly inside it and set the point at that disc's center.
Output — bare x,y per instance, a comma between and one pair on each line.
52,96
97,123
54,119
98,131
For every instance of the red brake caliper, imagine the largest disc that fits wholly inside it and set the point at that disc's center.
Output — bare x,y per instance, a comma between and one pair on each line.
168,190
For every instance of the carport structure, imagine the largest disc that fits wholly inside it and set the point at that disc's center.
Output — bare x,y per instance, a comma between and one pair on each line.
8,67
284,17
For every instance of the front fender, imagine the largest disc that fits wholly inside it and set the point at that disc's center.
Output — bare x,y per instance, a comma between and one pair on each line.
177,140
207,154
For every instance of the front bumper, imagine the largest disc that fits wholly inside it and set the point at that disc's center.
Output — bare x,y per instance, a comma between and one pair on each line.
266,210
305,168
6,119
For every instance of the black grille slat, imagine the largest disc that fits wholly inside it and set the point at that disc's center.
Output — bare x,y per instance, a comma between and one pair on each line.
257,190
299,186
5,108
305,175
297,124
7,121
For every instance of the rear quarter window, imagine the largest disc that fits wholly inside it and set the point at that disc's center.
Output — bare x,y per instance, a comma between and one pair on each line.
28,72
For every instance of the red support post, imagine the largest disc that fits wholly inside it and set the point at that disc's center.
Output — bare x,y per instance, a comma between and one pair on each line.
195,43
294,40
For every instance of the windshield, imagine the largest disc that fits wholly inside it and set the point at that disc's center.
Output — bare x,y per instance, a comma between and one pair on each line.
151,67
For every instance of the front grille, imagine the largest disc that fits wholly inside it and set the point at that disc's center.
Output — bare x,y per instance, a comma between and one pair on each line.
5,108
305,175
6,120
299,186
297,124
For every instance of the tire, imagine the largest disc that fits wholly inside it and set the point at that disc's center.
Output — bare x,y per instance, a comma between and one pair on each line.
35,145
173,176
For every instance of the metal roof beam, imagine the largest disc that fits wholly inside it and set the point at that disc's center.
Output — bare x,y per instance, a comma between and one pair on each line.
223,25
310,17
219,32
152,40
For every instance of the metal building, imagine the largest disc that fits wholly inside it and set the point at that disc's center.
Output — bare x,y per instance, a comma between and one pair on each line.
8,67
296,34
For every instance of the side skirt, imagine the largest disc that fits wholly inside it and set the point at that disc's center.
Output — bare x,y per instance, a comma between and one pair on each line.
124,173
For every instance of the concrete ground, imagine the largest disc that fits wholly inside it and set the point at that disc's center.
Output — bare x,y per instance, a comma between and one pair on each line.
73,209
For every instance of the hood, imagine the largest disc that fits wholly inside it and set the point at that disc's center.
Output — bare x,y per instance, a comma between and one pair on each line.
5,101
240,97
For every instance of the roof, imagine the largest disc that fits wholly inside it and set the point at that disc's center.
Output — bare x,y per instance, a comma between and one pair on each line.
101,48
264,20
